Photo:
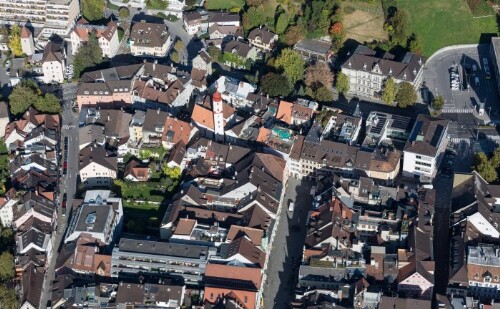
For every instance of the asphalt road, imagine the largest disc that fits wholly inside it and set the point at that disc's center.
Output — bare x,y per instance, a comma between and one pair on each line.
443,188
68,183
286,252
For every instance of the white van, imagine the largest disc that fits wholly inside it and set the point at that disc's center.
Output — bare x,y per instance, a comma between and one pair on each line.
291,205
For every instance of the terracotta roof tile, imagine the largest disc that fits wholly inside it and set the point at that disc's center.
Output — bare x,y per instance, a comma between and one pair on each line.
176,130
203,116
184,226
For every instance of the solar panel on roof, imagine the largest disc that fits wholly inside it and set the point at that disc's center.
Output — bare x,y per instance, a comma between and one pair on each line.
416,130
437,135
407,58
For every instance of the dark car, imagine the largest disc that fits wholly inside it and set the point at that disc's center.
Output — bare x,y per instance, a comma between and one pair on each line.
64,200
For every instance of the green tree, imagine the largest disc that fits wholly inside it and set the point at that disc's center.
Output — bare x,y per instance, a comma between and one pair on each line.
406,95
275,85
389,91
437,104
157,4
49,103
175,57
342,83
179,46
15,41
281,23
252,18
93,9
484,167
495,158
8,298
398,27
89,55
291,63
415,44
173,173
123,12
215,53
6,266
323,94
23,96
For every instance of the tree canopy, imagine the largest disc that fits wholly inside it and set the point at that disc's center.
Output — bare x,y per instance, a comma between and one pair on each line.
485,167
89,55
291,63
281,23
123,12
173,173
415,44
319,74
93,10
397,26
406,96
27,93
253,18
342,83
275,85
389,91
15,41
8,298
6,266
437,104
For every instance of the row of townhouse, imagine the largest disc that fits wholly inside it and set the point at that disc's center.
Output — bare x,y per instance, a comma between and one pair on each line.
349,247
474,251
30,205
147,85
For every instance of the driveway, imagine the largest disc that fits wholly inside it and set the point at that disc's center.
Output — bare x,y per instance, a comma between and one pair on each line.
287,247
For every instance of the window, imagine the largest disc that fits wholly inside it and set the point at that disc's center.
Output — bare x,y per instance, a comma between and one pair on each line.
245,299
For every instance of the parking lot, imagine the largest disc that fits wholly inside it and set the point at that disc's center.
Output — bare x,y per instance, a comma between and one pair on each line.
437,79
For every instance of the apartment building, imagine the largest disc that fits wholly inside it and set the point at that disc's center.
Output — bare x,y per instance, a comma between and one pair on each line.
425,147
100,216
97,166
53,65
53,16
149,40
367,70
263,39
132,257
483,265
107,37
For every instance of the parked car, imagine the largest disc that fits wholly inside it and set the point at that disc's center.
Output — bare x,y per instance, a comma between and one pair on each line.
476,81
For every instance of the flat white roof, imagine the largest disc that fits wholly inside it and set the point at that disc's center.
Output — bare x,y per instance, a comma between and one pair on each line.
482,225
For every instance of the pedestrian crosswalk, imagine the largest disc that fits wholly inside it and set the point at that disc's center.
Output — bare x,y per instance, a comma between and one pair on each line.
457,111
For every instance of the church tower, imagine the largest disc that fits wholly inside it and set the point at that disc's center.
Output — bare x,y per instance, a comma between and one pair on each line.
217,109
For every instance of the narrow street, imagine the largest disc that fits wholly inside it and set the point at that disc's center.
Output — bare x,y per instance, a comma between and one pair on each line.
287,247
69,128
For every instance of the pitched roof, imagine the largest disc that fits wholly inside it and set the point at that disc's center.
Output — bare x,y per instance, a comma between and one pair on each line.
154,119
236,231
53,52
25,33
137,170
265,35
221,271
176,130
184,226
99,155
247,249
149,34
366,59
203,116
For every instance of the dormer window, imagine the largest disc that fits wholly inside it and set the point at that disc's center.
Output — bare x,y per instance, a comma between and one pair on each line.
404,76
86,92
414,72
390,71
364,66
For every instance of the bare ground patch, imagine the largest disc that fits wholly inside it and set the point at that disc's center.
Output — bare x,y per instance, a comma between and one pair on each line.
364,26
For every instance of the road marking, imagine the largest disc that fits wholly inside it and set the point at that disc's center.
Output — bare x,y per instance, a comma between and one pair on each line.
68,127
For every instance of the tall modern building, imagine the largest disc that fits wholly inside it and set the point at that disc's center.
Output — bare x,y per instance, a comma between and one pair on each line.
53,16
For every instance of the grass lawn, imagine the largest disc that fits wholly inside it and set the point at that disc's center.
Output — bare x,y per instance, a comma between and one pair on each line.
224,4
137,217
444,23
